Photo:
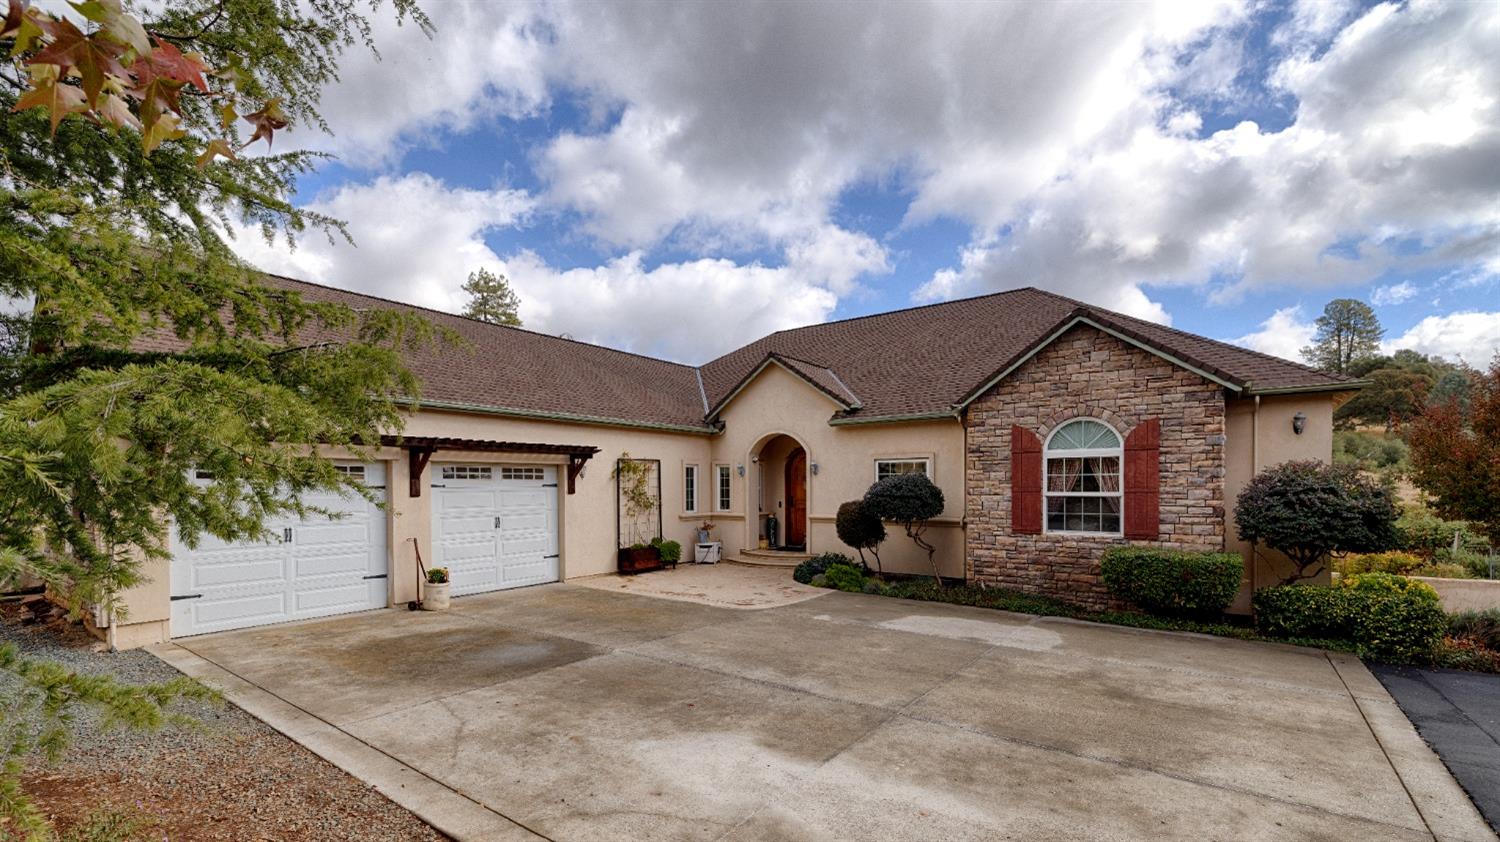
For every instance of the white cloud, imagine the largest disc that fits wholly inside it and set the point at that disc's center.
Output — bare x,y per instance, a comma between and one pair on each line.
1066,136
1284,334
417,239
1392,294
1473,337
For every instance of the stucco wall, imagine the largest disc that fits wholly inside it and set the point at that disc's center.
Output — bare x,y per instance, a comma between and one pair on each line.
1089,373
1260,438
778,402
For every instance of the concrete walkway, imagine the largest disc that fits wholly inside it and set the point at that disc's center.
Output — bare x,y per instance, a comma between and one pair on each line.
725,585
584,714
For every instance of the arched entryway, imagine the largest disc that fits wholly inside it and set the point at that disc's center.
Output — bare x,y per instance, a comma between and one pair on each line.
779,490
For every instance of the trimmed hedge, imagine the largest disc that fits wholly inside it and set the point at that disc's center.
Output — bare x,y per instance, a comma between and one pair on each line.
1173,583
844,577
819,564
1387,617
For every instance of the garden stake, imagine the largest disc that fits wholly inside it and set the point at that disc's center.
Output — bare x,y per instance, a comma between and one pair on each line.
416,604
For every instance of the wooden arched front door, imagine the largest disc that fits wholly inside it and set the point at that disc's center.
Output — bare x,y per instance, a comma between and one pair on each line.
796,498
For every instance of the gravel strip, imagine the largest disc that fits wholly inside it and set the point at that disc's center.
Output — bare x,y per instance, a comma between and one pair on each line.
230,777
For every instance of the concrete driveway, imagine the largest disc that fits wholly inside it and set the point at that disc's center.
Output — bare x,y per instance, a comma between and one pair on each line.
580,714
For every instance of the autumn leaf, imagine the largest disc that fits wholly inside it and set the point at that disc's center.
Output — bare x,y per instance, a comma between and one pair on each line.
169,62
266,121
48,92
227,114
114,21
27,33
116,112
164,127
91,58
216,147
15,12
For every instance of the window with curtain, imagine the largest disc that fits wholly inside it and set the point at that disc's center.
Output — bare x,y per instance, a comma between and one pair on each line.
1082,488
892,467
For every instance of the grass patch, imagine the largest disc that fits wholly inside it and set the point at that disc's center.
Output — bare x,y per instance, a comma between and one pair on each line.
1007,600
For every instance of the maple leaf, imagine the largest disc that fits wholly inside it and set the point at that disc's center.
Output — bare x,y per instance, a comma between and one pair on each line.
266,121
27,33
163,127
49,92
115,111
94,59
227,115
113,20
15,12
171,63
216,147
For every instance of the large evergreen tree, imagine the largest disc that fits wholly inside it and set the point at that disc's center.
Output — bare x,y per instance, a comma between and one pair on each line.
144,349
491,299
1348,332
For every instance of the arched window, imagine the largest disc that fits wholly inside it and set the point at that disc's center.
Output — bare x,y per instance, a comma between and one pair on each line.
1083,478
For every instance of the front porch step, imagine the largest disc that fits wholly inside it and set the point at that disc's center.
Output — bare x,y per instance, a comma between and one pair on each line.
769,558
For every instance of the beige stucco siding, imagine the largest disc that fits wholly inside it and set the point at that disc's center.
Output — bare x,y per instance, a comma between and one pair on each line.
777,402
1259,438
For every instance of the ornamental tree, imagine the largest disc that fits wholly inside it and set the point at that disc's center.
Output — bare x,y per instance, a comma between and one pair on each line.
1310,510
1455,454
910,500
121,140
859,528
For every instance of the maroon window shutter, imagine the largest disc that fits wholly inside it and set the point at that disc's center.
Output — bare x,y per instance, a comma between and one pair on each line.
1025,482
1143,481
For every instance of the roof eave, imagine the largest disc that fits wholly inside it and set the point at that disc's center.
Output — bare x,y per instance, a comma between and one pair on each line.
852,420
1345,386
567,417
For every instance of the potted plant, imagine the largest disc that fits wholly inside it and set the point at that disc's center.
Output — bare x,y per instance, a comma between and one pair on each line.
637,502
435,589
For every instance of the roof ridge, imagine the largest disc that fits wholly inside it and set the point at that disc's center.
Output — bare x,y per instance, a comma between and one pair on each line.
1181,332
516,328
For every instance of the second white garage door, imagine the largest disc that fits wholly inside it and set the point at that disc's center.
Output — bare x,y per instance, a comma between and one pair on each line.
495,526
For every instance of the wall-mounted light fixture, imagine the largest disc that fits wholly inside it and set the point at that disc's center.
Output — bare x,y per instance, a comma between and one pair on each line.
815,468
1299,423
754,459
741,468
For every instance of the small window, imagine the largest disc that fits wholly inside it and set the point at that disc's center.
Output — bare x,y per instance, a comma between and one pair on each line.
1082,488
894,467
690,488
354,471
532,474
725,486
467,472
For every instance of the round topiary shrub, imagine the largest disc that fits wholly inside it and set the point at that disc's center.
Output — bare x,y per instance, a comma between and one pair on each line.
1173,583
844,577
861,529
1310,510
805,571
910,500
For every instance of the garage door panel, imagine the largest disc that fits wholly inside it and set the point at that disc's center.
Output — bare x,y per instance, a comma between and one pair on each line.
328,567
498,531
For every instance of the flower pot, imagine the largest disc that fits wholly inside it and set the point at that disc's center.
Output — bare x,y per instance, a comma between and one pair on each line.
435,596
703,537
639,559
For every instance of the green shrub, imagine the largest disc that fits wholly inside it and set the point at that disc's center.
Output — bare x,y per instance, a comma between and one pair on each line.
1174,583
844,577
1443,570
1309,510
1483,626
1385,616
1478,564
861,529
437,575
1391,562
805,571
669,551
1426,534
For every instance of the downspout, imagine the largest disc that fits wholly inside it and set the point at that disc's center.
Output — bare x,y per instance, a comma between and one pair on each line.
1254,469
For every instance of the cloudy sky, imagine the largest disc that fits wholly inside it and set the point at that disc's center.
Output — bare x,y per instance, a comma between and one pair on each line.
680,178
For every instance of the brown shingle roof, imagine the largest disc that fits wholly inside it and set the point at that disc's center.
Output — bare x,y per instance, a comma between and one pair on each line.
922,361
925,360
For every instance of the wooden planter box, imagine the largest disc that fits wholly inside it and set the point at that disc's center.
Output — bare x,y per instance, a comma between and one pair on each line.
639,560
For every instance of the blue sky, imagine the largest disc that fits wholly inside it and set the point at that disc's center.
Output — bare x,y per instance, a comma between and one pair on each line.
678,179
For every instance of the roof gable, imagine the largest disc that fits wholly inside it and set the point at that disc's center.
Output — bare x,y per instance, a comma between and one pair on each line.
821,378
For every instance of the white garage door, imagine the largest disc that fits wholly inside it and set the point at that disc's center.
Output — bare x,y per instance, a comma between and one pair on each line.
495,526
311,568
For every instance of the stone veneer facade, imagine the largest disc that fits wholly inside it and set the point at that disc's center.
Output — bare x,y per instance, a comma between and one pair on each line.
1089,373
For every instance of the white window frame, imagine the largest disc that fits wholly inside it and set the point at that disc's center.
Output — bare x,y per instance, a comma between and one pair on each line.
723,488
926,462
1048,454
690,489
